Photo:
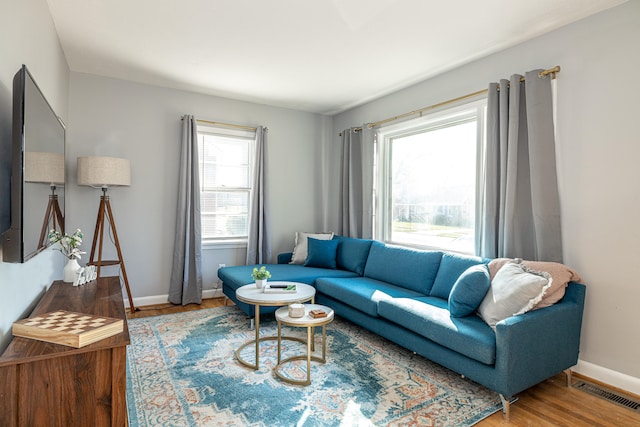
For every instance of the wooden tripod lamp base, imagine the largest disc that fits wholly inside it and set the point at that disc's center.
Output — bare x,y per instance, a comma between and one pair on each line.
106,215
53,216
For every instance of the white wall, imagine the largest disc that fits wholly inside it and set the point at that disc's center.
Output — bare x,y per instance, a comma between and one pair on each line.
599,148
28,37
111,117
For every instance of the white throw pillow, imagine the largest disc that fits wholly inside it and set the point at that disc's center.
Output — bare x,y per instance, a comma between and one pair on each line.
514,290
561,275
301,245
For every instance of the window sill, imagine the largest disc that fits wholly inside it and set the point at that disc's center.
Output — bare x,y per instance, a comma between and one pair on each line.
224,244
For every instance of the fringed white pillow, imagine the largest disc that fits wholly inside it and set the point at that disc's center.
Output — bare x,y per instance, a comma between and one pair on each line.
514,290
560,274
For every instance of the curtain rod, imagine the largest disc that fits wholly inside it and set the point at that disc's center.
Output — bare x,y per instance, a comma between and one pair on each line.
553,71
229,125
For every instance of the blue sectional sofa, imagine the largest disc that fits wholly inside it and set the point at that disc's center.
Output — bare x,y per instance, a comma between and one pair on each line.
403,295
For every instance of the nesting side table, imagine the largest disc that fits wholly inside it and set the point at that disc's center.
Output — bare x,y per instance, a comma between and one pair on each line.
306,321
252,295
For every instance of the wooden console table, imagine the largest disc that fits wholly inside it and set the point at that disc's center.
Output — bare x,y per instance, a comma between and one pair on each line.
46,384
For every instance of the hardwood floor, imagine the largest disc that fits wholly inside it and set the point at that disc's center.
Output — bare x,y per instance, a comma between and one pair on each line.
158,309
550,403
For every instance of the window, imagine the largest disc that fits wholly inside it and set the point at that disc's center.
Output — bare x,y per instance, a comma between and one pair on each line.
225,182
428,177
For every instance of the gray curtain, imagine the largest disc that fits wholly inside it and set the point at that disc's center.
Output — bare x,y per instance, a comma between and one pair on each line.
520,215
186,274
356,203
259,240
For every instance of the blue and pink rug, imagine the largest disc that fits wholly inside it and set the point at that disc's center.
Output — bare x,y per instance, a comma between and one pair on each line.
182,371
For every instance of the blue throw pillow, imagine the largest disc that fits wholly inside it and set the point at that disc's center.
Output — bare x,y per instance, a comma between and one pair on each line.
451,267
321,253
469,290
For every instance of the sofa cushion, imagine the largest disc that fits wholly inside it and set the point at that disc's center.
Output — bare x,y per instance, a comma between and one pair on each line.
469,290
361,293
429,317
321,253
514,290
409,268
300,247
236,276
352,254
451,267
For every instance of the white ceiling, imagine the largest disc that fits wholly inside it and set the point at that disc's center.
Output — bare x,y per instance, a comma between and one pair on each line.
322,56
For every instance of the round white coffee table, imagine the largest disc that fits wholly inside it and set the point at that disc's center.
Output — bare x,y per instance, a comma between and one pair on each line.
306,321
252,295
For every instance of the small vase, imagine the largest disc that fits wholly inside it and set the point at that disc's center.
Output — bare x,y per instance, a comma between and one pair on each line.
260,283
70,270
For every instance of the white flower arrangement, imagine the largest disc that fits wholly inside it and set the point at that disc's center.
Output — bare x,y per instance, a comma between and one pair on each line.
69,244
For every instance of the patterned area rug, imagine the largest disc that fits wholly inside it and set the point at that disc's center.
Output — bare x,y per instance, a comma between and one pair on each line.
182,371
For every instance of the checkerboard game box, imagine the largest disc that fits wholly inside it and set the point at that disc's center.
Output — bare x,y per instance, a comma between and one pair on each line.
68,328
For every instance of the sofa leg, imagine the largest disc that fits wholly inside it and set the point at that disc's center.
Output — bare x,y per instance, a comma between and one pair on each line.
252,323
569,374
506,407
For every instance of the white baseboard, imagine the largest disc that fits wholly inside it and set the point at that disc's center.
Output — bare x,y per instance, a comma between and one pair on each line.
608,376
212,293
163,299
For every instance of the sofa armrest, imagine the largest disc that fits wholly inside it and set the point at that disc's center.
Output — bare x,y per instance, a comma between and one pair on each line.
537,345
285,258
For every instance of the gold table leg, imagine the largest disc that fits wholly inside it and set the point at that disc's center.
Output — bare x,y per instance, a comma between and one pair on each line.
257,342
279,340
308,357
257,336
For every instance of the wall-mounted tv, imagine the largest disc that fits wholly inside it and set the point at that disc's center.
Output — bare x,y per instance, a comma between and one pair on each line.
37,171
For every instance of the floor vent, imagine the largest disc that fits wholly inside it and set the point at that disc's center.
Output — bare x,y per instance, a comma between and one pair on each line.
614,397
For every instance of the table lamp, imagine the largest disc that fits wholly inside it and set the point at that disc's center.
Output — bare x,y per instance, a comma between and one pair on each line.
105,172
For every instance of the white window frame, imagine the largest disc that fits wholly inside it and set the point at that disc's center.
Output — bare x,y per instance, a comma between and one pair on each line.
457,114
241,134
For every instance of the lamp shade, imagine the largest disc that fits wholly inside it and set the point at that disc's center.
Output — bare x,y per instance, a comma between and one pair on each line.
44,167
104,171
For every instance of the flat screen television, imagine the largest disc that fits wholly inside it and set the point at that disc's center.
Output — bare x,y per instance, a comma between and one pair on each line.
37,171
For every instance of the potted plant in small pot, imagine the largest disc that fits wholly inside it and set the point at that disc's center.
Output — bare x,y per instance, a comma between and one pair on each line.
70,248
260,275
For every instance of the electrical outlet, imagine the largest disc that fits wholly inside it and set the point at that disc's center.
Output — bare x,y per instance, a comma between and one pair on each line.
221,265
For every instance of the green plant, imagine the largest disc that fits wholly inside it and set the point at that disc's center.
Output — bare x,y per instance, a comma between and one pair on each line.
260,274
69,244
